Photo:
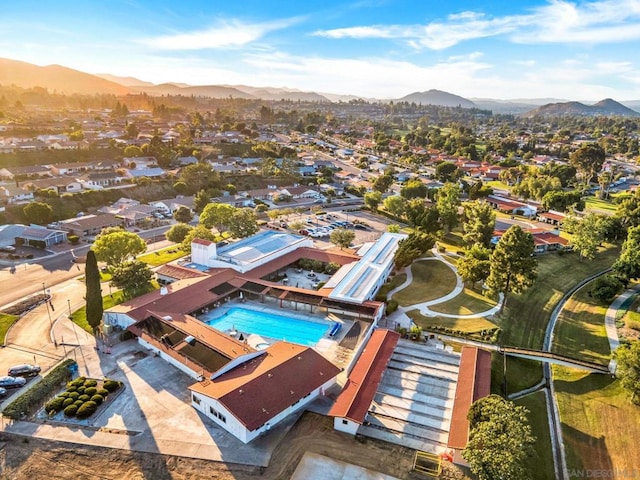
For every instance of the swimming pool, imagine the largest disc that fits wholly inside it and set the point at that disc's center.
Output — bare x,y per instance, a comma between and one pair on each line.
278,327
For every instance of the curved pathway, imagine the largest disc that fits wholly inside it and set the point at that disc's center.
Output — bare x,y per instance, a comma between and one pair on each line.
400,316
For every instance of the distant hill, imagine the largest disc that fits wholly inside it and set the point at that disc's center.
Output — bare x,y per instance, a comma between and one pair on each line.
55,78
437,97
603,107
271,93
212,91
125,81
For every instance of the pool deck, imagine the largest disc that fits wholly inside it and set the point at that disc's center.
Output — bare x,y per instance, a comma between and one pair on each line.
326,346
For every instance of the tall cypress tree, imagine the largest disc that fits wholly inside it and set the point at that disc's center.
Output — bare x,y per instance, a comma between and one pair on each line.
94,293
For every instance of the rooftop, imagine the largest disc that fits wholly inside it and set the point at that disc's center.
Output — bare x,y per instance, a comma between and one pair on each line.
358,283
256,247
259,389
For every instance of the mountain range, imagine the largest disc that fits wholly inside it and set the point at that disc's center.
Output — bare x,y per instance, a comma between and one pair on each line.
60,79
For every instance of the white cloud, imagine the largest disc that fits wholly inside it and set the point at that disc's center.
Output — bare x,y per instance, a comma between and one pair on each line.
559,21
226,34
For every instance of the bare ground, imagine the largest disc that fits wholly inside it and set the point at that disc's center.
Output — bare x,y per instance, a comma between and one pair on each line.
34,459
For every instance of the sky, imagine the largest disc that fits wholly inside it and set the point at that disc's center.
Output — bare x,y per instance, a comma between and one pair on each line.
572,50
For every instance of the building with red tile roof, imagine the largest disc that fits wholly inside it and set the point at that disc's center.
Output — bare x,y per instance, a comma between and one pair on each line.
474,383
249,398
351,407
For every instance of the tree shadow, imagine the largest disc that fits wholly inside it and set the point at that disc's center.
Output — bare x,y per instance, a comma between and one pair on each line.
586,454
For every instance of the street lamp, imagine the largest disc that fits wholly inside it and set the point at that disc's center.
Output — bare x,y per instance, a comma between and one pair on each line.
47,300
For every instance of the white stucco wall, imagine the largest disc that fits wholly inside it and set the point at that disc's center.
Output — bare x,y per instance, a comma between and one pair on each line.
345,425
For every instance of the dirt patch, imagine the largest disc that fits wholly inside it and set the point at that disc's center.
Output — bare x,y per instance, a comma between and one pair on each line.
28,458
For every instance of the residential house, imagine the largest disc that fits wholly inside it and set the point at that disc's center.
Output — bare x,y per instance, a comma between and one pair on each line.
41,237
30,171
70,168
101,179
15,194
59,185
89,225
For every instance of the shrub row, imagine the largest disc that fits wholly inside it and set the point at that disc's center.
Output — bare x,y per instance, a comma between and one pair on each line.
30,401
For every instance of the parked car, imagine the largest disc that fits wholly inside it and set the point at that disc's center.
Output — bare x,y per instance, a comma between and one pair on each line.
24,370
3,392
358,226
12,382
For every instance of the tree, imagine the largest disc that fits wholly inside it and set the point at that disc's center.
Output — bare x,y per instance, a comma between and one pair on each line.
588,160
201,200
447,172
243,223
342,237
38,212
628,264
393,228
217,215
372,200
500,439
414,189
448,202
479,223
513,267
131,276
199,176
132,151
606,287
200,232
117,246
627,356
475,265
93,294
183,214
178,232
383,183
588,234
412,247
395,205
563,201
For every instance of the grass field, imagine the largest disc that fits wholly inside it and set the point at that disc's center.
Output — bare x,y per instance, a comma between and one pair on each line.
497,184
525,317
394,282
600,426
160,257
580,331
468,302
521,373
431,279
595,204
6,321
467,325
541,465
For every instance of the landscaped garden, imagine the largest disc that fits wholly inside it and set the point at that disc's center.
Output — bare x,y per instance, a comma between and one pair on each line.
160,257
468,302
478,328
431,279
5,323
82,397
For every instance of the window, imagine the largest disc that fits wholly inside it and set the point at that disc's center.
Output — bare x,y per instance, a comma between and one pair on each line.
345,422
196,399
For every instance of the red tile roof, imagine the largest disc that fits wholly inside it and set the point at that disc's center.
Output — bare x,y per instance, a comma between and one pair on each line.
261,388
356,397
178,272
201,241
474,383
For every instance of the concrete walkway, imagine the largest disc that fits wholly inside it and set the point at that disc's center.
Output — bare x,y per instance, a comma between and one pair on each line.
400,317
612,312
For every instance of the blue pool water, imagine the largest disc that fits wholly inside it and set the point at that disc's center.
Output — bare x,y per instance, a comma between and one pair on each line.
278,327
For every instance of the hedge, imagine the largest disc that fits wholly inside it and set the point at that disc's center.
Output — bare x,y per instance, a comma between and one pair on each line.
86,409
112,385
71,410
31,400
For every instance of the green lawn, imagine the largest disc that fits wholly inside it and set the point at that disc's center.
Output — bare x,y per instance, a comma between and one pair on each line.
580,331
521,373
466,325
431,279
160,257
525,317
79,317
6,321
593,203
393,282
467,303
498,185
600,425
541,465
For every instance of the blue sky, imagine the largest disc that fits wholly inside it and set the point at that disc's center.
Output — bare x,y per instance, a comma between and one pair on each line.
578,50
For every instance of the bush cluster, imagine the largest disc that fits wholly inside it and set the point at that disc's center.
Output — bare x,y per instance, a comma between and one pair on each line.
81,397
